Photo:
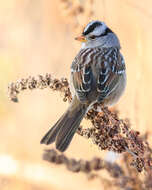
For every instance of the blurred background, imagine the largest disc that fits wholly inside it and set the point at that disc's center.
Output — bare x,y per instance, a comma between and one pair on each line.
37,37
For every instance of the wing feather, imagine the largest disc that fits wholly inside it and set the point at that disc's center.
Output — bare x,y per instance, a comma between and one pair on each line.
102,65
109,73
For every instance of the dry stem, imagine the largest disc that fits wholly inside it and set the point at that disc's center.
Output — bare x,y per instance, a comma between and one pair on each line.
108,132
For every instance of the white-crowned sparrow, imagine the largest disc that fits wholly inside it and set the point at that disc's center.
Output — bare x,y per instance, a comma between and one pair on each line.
97,75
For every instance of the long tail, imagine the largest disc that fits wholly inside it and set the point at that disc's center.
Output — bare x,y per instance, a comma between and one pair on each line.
64,129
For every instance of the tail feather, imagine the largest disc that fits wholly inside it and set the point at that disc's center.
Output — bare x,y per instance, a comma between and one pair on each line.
63,131
50,136
67,132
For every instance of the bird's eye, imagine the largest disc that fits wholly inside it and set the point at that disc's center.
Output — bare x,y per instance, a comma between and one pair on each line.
92,37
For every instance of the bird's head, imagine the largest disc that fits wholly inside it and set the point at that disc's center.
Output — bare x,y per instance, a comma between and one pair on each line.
96,34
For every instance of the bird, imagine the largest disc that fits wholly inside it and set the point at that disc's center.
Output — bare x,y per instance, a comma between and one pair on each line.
98,75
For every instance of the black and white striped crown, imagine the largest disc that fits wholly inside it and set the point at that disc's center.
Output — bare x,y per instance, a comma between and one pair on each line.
96,28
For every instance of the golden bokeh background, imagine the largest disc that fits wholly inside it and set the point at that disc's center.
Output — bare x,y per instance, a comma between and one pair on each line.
37,37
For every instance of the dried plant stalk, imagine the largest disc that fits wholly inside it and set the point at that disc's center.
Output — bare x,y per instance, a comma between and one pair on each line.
40,82
126,179
108,132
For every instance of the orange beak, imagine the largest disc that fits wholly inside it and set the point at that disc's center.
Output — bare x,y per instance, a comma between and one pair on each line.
81,38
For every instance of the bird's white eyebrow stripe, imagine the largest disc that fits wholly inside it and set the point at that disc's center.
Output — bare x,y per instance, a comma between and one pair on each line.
105,33
91,26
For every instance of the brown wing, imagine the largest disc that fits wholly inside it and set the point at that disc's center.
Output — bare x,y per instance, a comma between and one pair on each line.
82,81
110,70
81,73
101,65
